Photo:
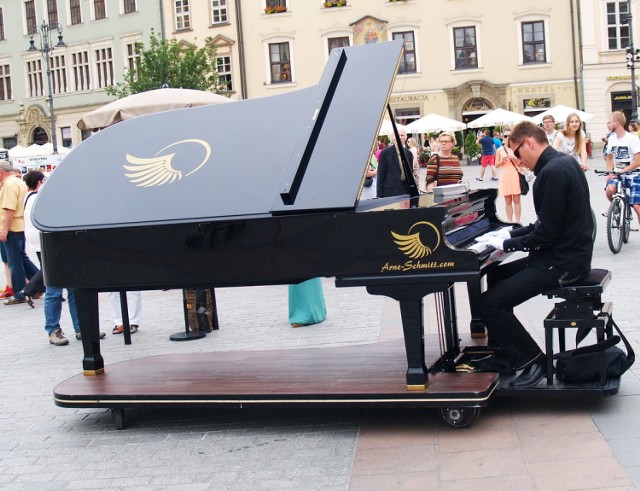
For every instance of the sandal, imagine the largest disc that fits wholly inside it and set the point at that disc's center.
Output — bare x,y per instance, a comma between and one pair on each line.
133,328
29,300
117,330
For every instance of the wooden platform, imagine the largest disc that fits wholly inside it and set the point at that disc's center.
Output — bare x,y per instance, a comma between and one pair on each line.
372,374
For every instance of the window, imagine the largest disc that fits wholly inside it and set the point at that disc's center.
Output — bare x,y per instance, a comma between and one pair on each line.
223,66
58,74
34,78
338,42
52,13
104,67
66,136
406,116
75,12
280,63
81,71
131,57
533,43
9,142
2,38
618,35
30,16
84,134
276,6
99,9
5,83
183,14
219,13
465,47
408,61
129,7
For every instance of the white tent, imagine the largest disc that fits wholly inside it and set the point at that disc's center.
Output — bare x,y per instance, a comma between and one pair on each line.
387,129
498,117
35,156
561,112
434,122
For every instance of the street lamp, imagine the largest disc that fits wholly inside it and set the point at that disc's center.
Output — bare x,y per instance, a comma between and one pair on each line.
45,48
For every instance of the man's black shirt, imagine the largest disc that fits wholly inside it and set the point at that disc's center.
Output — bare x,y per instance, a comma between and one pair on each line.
562,235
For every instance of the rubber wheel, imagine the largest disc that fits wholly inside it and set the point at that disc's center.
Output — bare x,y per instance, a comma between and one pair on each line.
459,417
615,219
626,228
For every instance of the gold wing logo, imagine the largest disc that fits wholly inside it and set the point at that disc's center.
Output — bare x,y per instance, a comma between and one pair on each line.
157,170
422,239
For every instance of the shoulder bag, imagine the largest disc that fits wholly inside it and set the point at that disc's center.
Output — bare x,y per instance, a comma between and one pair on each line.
524,184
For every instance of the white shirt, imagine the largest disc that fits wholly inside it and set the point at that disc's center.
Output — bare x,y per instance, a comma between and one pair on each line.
551,137
623,149
31,233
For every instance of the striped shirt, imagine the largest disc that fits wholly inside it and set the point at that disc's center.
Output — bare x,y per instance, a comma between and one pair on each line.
450,171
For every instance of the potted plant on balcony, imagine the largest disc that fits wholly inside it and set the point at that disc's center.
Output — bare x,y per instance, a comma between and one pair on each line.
334,3
276,9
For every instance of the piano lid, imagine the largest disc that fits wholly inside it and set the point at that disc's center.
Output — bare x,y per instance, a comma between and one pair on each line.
304,151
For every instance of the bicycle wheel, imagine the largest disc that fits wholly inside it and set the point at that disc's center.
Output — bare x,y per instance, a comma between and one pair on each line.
626,226
615,219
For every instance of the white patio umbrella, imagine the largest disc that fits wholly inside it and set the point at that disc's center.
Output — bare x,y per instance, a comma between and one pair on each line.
387,129
434,122
148,102
561,112
498,117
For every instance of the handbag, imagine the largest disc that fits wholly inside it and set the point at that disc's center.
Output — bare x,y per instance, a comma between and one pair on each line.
596,362
368,181
524,184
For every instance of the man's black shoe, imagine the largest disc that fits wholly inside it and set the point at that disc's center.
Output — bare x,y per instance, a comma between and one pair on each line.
494,364
531,375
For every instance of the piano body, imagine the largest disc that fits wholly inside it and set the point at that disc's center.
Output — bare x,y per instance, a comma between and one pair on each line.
258,192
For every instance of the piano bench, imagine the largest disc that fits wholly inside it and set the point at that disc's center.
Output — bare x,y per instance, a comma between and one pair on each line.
582,302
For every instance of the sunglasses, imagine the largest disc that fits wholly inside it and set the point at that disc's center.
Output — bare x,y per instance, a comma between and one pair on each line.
516,152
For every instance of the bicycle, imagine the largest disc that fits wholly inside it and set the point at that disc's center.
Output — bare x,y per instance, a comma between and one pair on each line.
619,215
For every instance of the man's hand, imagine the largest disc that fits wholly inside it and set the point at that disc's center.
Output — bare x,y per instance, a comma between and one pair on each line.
3,236
495,242
503,233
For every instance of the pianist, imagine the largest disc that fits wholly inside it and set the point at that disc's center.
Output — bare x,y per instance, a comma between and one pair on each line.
559,244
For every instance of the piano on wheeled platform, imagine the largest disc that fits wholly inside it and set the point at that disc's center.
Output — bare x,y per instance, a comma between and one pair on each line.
257,192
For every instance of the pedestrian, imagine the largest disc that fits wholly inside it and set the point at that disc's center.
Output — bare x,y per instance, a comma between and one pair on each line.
509,181
12,197
306,303
443,166
488,155
134,311
572,140
560,246
53,312
549,125
392,178
35,288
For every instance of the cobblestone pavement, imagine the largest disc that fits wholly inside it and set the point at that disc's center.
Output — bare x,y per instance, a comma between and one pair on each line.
46,447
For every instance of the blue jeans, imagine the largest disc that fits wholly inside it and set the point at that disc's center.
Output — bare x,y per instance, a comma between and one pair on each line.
53,309
19,263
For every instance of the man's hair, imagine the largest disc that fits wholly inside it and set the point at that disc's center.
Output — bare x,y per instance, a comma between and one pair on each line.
527,129
487,133
32,178
619,117
5,166
549,116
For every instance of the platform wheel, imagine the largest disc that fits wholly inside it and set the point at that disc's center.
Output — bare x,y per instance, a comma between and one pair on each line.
459,417
118,417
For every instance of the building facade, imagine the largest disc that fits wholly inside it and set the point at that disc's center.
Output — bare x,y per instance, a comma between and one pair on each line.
460,60
91,45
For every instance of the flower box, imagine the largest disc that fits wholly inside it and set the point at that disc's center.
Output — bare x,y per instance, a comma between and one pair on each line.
335,3
275,10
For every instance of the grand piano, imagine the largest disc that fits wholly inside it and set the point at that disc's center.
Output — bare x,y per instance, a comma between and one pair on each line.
259,192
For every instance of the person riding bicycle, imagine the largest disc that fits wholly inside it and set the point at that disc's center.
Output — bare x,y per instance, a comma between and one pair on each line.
623,155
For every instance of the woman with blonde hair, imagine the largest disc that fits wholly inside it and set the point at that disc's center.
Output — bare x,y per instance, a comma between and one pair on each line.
443,167
572,140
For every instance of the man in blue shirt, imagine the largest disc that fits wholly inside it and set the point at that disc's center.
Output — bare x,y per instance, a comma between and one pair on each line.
488,156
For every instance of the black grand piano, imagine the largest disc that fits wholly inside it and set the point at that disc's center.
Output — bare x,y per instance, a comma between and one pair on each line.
258,192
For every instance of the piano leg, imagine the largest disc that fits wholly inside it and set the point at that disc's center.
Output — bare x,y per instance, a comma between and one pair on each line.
452,339
474,287
87,304
411,308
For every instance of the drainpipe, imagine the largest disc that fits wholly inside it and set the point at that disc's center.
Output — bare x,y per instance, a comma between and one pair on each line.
575,62
241,55
581,54
161,19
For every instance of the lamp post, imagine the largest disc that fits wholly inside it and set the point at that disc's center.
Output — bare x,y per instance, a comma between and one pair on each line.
46,48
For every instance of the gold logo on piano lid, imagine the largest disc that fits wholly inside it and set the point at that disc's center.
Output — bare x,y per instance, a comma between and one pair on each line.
422,239
157,170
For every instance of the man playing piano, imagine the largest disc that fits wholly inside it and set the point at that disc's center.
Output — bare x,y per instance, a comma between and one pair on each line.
560,249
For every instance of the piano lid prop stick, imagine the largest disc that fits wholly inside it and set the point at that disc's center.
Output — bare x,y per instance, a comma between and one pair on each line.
300,157
408,168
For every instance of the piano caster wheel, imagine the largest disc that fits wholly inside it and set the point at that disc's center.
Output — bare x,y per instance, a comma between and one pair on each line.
459,417
118,417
